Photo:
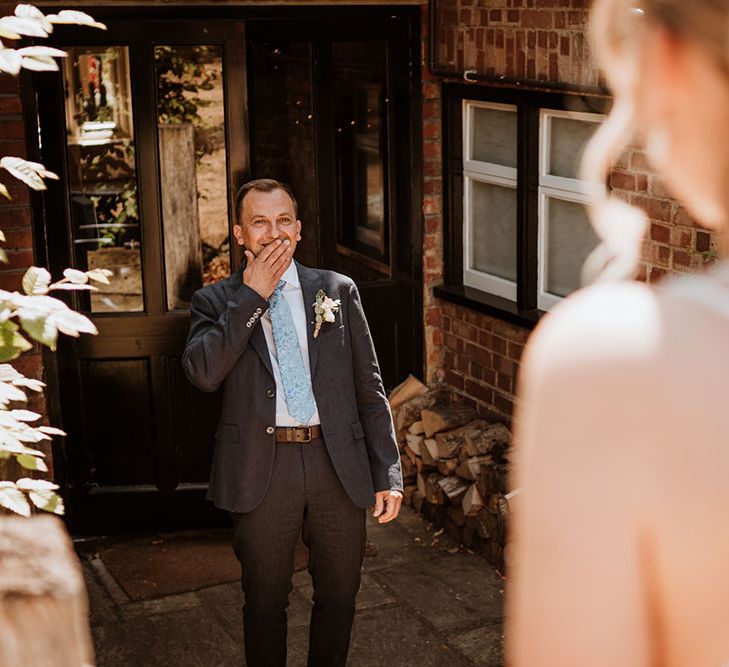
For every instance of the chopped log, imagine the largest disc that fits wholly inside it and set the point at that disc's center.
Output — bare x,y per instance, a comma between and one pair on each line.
416,428
409,412
409,388
474,464
433,491
419,465
494,440
472,502
432,446
443,418
492,478
410,454
487,526
453,531
450,443
408,492
418,500
408,470
414,442
467,536
43,602
447,467
456,516
420,481
454,488
428,460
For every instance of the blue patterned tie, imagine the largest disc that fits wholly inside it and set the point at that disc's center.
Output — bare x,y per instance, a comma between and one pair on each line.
297,386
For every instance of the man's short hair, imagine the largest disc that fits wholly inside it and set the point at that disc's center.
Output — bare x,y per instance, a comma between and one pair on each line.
262,185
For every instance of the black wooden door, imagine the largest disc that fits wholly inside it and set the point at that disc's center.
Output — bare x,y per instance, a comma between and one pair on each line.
146,125
333,109
149,129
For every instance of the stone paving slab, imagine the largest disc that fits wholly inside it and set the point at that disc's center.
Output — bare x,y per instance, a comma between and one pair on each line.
421,603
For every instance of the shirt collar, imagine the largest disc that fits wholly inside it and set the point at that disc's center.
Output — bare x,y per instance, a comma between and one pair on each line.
291,275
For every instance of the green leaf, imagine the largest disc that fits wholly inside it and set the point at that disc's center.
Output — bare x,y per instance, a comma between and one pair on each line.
3,256
47,500
13,499
41,329
36,280
72,323
12,344
31,462
4,192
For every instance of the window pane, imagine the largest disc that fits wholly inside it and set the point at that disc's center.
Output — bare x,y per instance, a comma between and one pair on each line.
102,174
282,124
359,103
493,229
494,136
570,239
568,140
193,174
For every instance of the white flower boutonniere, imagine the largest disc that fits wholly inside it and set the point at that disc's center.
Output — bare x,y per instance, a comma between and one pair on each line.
324,308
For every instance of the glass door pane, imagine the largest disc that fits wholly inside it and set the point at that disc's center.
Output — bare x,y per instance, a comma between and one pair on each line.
282,127
102,175
192,160
360,114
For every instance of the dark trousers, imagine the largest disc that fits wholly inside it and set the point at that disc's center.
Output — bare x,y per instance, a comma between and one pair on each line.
305,497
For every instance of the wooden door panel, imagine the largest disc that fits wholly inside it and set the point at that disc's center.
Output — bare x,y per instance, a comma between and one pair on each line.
117,404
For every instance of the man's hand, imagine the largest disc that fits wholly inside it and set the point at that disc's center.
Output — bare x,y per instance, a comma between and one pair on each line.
387,505
264,272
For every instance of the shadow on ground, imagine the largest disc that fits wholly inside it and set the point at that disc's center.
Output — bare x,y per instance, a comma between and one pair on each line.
423,602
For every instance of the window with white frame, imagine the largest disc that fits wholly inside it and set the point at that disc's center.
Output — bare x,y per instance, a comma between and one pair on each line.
517,232
566,236
489,197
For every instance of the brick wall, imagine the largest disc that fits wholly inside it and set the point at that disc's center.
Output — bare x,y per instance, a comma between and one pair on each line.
539,40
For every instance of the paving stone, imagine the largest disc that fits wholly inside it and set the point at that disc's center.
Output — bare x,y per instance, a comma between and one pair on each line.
394,636
452,591
483,646
165,605
101,607
190,638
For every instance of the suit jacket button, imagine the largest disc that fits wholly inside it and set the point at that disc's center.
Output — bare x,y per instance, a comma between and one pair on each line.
270,393
248,324
270,430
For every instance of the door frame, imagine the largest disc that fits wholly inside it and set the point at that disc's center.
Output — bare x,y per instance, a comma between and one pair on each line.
52,207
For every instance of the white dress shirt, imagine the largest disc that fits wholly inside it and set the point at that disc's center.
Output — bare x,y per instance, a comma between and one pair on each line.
295,298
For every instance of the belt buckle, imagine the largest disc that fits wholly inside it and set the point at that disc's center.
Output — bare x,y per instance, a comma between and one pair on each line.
307,432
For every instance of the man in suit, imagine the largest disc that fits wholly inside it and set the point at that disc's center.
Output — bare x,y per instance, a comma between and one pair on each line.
305,441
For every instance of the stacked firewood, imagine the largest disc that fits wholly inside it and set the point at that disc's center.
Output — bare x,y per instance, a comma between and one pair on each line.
455,466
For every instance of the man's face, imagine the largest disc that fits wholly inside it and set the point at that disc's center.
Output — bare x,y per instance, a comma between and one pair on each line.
265,217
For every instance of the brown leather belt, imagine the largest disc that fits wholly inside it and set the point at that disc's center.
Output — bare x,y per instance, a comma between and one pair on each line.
297,433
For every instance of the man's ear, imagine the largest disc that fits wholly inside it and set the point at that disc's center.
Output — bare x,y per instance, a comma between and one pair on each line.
238,233
298,230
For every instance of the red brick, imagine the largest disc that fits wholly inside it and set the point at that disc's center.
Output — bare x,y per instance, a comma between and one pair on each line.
10,104
660,233
656,274
478,391
14,216
12,129
536,19
655,208
18,238
503,404
11,281
681,237
453,379
19,259
504,382
515,351
622,181
681,258
437,337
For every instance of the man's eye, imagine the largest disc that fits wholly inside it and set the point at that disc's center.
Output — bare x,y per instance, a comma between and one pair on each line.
258,223
285,221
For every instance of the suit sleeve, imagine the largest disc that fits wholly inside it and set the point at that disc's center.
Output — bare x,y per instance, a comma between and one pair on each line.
372,403
219,332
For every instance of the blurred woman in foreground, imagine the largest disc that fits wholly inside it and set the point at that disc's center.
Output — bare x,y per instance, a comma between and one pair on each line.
620,554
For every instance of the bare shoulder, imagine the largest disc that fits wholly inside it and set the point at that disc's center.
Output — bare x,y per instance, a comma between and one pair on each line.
599,325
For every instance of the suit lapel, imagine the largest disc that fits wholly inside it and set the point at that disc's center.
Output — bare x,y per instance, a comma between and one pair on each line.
310,285
258,338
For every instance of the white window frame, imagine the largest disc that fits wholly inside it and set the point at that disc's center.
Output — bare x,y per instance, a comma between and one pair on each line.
555,187
489,173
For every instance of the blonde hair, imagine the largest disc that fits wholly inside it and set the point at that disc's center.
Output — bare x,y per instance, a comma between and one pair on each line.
616,32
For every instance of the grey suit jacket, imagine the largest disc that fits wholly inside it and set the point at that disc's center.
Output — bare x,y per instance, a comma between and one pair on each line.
226,346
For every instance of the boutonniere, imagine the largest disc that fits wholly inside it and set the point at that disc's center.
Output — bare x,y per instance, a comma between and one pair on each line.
324,309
